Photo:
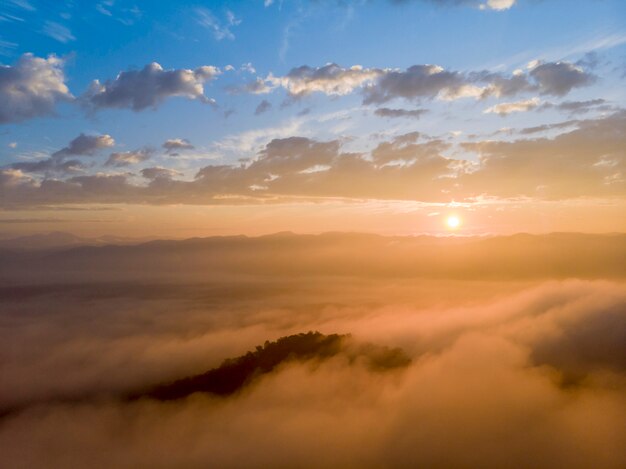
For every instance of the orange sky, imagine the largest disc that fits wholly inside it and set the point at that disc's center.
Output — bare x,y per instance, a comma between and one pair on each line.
383,217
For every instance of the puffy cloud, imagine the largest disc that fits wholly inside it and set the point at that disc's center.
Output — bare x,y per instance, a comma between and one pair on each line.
83,145
50,165
559,78
499,5
247,67
31,88
258,86
298,166
405,148
126,158
496,5
550,78
331,79
286,159
507,108
589,160
158,172
149,87
11,177
402,113
423,81
174,145
263,106
294,154
417,81
499,85
586,161
86,145
107,186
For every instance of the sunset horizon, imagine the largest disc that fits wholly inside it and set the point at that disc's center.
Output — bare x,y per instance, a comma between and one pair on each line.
313,234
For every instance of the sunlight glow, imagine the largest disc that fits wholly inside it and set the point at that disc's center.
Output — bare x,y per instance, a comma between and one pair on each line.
453,222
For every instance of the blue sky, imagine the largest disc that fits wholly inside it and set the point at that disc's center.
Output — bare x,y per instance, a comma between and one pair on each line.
275,39
266,41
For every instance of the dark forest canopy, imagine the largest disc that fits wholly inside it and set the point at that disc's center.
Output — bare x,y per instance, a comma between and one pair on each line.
236,373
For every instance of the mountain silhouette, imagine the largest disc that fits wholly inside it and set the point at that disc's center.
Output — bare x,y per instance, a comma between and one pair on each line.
237,373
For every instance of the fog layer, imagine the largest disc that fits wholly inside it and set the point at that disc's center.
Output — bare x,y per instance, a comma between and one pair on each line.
523,372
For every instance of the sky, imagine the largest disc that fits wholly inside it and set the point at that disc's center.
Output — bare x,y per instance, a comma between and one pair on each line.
177,119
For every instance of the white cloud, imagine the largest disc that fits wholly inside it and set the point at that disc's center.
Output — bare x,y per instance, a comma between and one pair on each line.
420,81
24,4
248,67
519,106
558,78
148,87
58,31
159,173
174,145
7,47
330,79
58,162
220,29
499,4
31,88
86,145
251,141
127,158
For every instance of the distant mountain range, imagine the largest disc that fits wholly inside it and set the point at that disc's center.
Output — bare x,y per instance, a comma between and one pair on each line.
557,255
59,239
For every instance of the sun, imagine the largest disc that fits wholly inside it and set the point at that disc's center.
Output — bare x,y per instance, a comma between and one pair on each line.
453,222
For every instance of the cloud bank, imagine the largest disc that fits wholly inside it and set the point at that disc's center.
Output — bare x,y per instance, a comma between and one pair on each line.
499,370
587,161
423,81
33,86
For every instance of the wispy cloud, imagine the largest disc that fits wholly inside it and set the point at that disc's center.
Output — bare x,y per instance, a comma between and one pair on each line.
7,47
221,29
58,31
104,7
601,41
24,4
